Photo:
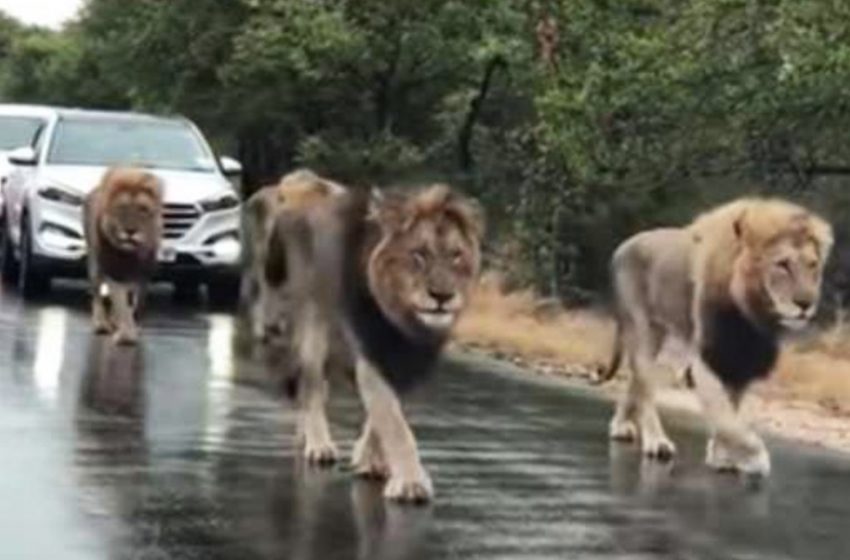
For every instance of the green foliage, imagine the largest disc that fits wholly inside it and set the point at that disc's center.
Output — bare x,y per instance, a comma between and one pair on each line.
643,112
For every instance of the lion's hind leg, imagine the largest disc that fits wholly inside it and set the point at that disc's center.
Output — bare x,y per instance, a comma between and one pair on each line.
636,416
258,305
622,426
312,339
655,443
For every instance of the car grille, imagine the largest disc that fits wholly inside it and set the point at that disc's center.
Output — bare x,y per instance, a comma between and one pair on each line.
178,219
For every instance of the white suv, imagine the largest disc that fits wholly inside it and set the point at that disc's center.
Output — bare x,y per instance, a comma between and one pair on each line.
20,125
44,193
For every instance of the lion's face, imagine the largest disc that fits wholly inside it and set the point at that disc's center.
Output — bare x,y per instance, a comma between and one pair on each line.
131,218
791,273
788,268
427,261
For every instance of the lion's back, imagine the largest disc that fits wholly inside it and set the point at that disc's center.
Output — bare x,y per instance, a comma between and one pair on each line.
652,270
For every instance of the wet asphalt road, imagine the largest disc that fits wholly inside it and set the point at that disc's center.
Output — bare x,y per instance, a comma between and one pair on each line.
178,450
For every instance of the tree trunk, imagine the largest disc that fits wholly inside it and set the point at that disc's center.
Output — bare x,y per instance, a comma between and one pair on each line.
467,129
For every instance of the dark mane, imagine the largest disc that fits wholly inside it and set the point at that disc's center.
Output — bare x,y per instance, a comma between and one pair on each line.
737,350
403,360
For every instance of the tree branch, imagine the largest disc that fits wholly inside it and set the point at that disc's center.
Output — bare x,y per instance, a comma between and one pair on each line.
498,62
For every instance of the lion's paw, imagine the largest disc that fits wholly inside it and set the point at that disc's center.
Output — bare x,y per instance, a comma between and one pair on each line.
658,447
126,338
258,331
756,464
717,456
322,454
754,461
411,490
368,462
623,430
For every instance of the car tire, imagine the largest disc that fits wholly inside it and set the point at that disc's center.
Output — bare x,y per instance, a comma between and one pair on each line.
33,280
8,262
186,290
223,292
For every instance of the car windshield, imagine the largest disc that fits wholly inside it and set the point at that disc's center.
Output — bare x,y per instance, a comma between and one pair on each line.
16,132
145,143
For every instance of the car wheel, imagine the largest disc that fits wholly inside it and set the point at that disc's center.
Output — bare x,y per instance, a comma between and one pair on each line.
223,292
33,280
8,262
186,290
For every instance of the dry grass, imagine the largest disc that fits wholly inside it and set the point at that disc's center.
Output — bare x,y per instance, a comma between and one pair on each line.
815,376
520,324
819,369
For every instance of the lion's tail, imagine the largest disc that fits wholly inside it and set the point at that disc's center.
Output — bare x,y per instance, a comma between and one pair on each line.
606,374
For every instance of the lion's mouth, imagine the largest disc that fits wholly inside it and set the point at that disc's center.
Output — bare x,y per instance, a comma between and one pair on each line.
437,319
794,323
129,241
128,246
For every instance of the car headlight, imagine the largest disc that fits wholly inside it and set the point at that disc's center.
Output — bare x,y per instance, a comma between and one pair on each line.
61,195
225,202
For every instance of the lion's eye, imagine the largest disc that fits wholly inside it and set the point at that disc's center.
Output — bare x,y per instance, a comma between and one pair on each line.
420,257
457,257
784,264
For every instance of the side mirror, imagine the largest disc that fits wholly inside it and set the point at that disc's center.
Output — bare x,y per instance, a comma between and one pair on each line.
230,166
22,156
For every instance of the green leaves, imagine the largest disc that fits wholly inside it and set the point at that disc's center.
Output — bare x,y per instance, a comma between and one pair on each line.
575,121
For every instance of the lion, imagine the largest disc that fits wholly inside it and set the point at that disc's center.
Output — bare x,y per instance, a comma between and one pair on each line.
123,229
294,189
384,276
727,286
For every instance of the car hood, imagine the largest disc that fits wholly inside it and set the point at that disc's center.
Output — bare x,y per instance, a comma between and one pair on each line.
185,187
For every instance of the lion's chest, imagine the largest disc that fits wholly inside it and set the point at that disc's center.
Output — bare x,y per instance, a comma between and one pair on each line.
126,266
735,349
403,361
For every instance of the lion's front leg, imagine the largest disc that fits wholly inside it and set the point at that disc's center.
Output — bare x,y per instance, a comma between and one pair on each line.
367,458
408,480
122,297
99,313
732,445
99,294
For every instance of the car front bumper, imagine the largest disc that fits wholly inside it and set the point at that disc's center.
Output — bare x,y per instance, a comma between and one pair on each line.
196,243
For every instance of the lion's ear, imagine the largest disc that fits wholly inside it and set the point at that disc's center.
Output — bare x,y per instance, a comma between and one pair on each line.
824,238
386,210
156,184
739,225
470,214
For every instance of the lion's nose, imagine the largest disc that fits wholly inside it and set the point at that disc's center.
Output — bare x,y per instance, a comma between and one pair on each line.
804,303
440,296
